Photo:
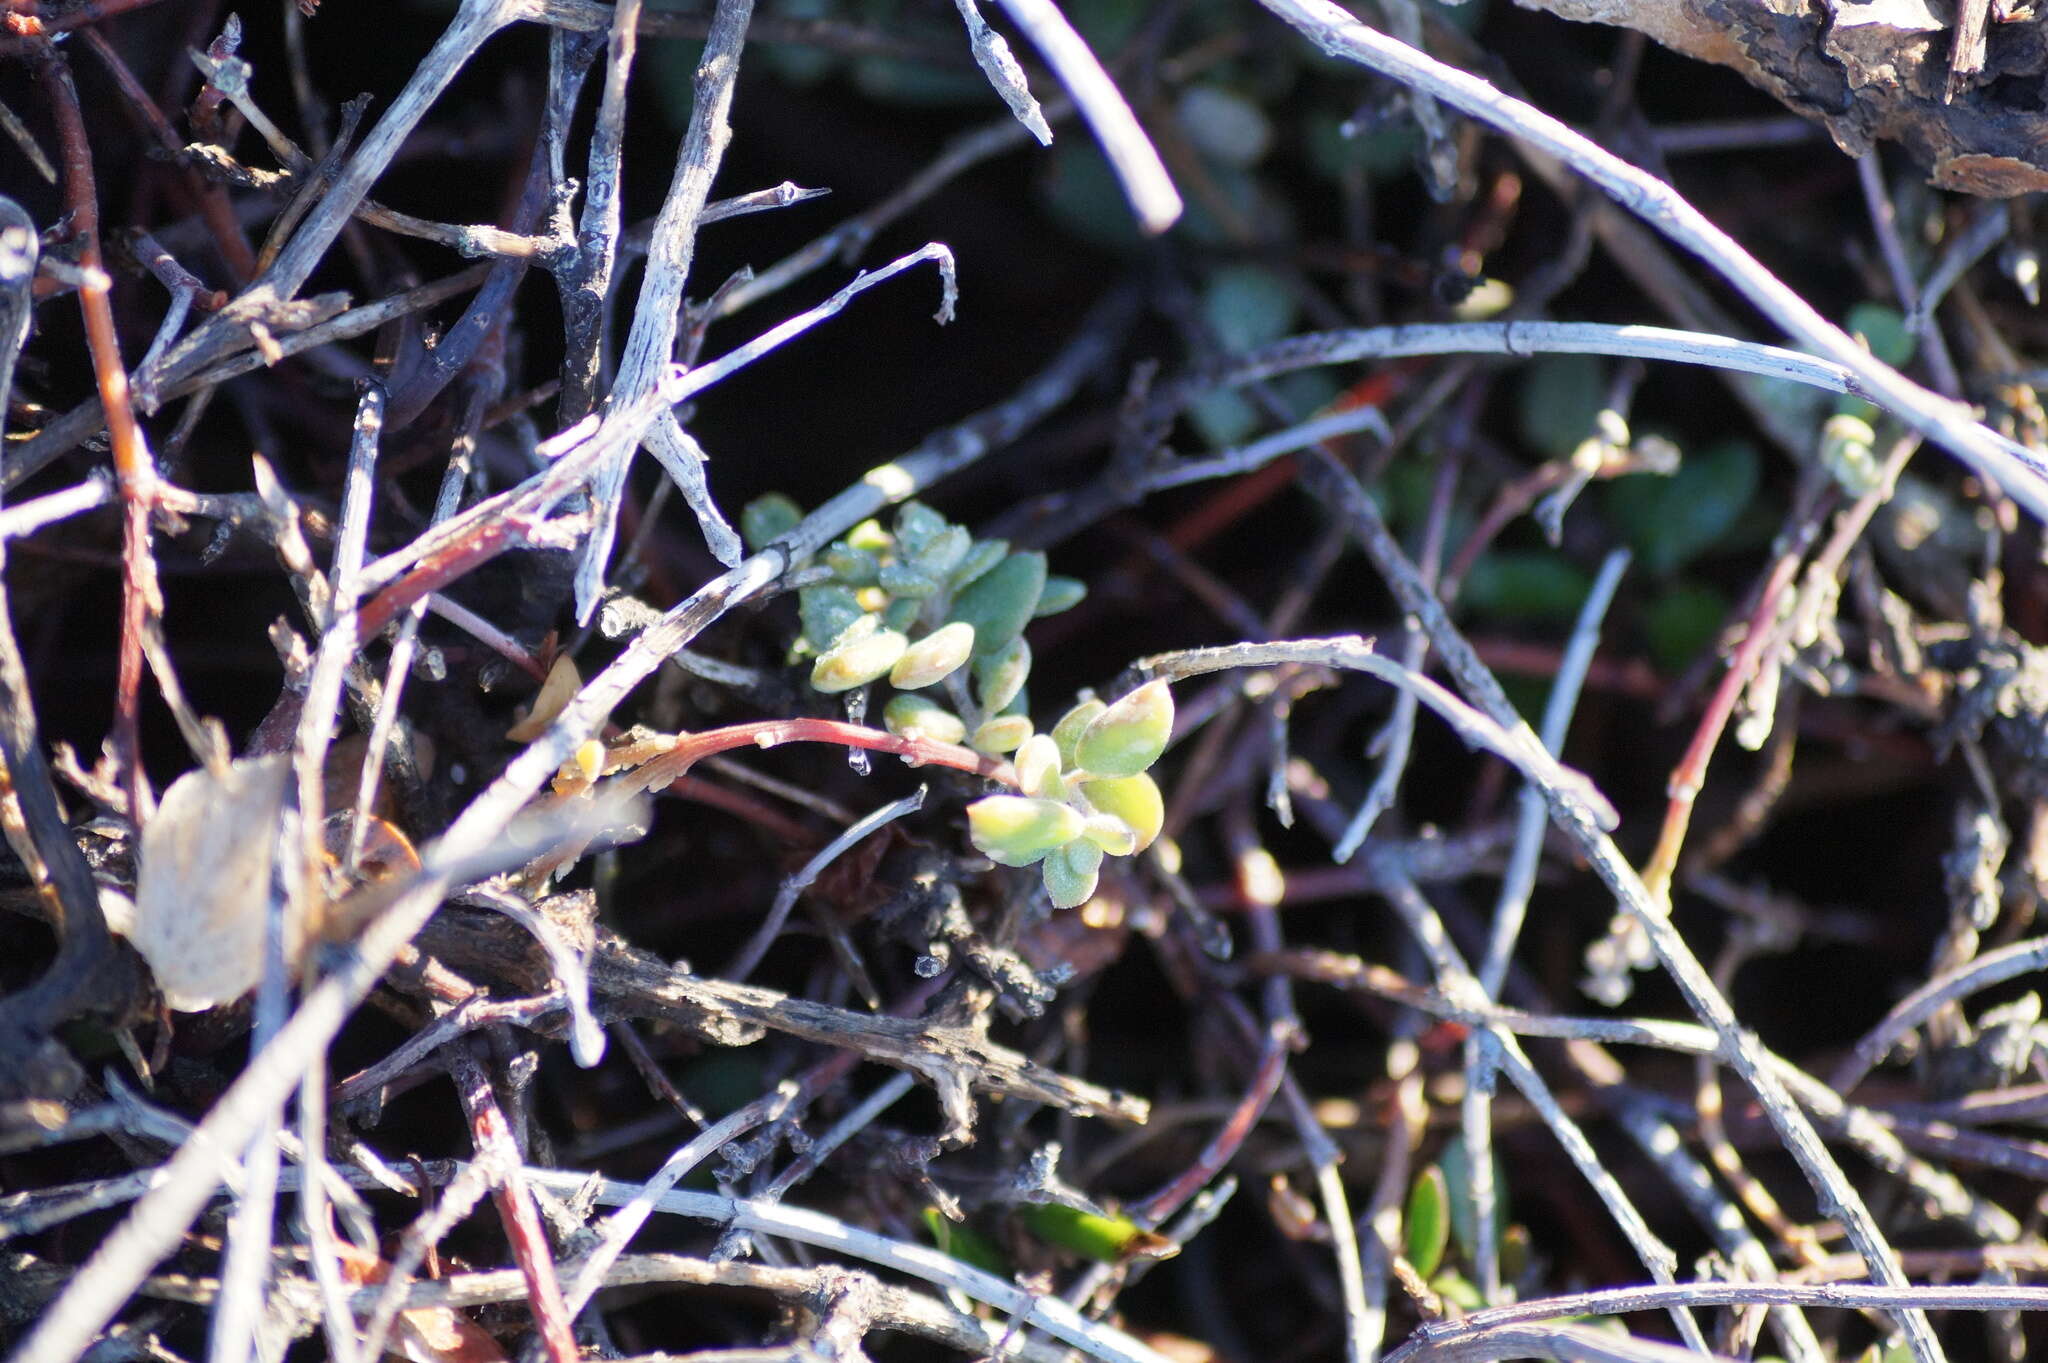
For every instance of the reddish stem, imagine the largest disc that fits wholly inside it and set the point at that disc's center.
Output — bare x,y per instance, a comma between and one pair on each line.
212,199
529,1243
690,749
1761,632
133,468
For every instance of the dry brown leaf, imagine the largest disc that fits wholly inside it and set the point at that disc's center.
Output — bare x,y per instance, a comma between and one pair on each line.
204,883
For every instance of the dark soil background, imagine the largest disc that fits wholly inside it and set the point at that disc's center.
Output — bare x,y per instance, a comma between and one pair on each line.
1834,904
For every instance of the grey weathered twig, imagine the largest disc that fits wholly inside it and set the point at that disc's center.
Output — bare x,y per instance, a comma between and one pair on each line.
125,1256
2021,472
650,344
2005,963
1130,152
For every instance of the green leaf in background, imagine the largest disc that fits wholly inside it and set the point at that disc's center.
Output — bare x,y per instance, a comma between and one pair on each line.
1882,330
917,84
1223,416
1669,521
1081,194
1106,24
1525,585
1426,1224
1682,623
1382,154
1248,306
1105,1239
768,518
962,1242
1559,397
1224,125
1460,1291
1458,1183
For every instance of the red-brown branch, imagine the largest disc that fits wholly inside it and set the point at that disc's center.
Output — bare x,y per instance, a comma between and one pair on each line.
134,470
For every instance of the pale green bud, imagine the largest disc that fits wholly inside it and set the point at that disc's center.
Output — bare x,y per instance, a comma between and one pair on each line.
933,657
1016,830
1038,768
858,661
1067,733
999,602
1129,736
913,716
1004,733
999,676
827,611
1070,873
985,555
1060,594
1133,801
767,519
870,535
1847,451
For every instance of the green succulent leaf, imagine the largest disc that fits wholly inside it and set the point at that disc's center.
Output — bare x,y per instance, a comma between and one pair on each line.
854,567
999,676
1004,733
902,580
1525,584
933,658
858,661
1017,830
1129,736
1134,801
985,555
1067,733
1060,594
1038,768
938,556
1115,837
768,518
999,602
916,525
914,716
1070,873
827,611
901,614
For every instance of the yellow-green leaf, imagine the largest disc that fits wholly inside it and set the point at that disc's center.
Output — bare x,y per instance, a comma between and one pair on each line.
1017,830
1426,1225
1129,736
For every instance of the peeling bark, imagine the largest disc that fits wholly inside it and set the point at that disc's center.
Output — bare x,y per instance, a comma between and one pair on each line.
1873,72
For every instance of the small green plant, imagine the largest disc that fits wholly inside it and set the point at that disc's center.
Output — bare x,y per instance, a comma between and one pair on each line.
926,605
